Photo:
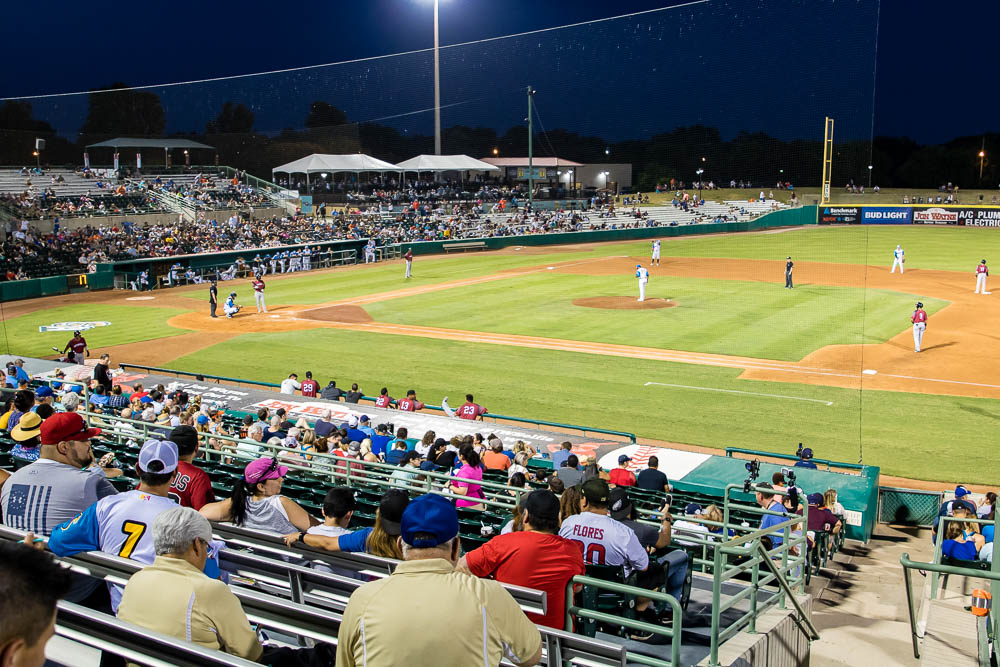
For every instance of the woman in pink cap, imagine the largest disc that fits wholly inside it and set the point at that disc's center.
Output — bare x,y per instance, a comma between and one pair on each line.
257,501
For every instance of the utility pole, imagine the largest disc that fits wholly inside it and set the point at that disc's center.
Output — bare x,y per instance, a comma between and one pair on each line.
437,85
531,164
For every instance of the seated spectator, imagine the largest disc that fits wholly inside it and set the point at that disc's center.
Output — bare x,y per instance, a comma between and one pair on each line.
323,426
988,505
396,454
689,525
768,501
820,518
963,499
556,486
27,434
519,466
653,539
330,392
98,397
559,458
534,557
622,476
407,476
830,502
570,473
957,545
651,478
191,486
495,459
425,443
256,501
338,509
384,400
382,539
484,623
522,447
31,584
805,459
354,395
117,399
463,483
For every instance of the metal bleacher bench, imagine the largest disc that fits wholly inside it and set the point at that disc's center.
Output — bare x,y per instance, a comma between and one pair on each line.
465,245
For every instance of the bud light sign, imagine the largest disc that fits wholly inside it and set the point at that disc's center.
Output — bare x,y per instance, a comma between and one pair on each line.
886,215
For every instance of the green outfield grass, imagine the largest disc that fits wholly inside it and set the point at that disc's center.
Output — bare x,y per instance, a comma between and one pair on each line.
913,435
718,316
129,324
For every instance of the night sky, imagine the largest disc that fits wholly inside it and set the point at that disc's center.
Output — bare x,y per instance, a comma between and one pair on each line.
776,66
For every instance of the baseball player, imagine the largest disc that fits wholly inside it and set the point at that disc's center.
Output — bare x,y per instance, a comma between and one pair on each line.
643,275
919,319
143,280
656,253
229,307
981,273
273,261
370,251
306,259
408,257
789,265
898,260
78,345
258,294
283,261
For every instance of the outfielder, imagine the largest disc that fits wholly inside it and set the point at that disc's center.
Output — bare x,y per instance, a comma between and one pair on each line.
230,307
897,260
919,319
981,273
643,275
408,257
656,252
258,294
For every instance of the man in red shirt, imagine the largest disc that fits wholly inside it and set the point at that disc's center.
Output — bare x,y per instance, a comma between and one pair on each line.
78,345
191,486
384,400
622,476
258,293
919,319
535,557
410,403
470,410
309,386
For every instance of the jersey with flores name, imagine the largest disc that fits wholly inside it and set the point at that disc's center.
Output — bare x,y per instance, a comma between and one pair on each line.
605,541
121,525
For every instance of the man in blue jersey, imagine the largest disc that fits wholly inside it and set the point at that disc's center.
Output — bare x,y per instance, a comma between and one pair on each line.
121,524
643,275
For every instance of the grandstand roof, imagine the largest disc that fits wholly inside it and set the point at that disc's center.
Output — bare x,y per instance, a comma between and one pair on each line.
536,162
446,163
319,162
129,142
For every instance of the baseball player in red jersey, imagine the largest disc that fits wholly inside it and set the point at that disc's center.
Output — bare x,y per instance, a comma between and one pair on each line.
981,273
258,293
78,345
384,400
309,386
919,319
410,403
470,410
409,262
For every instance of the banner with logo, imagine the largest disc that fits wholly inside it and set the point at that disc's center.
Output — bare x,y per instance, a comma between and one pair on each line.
886,215
833,215
935,215
980,217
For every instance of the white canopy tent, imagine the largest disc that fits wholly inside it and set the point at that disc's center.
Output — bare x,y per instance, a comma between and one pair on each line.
439,163
319,163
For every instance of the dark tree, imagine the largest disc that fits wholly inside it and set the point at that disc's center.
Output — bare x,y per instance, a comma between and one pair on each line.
324,114
16,115
117,112
233,119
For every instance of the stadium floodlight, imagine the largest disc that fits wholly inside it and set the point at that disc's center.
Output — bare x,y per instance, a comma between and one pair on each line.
496,151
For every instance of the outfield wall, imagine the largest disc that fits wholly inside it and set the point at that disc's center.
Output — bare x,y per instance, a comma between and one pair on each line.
911,214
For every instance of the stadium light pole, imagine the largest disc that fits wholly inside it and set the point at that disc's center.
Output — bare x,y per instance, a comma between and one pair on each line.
531,164
982,157
437,84
699,172
870,167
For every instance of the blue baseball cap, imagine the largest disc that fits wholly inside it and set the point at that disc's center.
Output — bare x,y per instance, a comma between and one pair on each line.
694,509
202,419
44,392
431,515
961,491
806,453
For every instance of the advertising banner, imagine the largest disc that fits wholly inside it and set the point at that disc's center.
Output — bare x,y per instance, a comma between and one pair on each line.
886,215
307,204
980,217
935,215
839,215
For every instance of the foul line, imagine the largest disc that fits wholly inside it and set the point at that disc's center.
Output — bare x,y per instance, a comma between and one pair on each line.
735,391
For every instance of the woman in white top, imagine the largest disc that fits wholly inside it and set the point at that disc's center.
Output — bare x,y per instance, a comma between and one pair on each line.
257,502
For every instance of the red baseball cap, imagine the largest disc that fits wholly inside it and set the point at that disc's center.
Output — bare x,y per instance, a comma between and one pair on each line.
65,426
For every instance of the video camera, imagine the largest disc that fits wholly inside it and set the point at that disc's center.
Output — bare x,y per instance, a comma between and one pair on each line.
753,467
793,491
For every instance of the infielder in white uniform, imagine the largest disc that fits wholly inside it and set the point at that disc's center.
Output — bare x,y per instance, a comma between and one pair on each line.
656,252
897,260
981,273
643,275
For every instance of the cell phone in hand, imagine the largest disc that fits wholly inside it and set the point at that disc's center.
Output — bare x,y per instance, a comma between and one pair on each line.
669,500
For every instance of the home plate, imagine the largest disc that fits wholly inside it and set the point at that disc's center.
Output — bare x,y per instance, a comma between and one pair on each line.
550,268
869,371
140,298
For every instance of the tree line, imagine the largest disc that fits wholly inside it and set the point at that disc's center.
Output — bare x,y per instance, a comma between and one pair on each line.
676,154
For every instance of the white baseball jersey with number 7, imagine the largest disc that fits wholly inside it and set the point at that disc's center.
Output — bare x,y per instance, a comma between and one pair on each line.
605,541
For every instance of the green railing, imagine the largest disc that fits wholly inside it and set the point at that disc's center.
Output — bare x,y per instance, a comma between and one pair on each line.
201,377
939,544
791,457
673,632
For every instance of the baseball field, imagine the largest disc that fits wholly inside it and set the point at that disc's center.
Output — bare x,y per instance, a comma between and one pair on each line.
720,354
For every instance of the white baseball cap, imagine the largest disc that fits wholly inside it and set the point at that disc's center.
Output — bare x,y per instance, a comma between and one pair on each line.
163,451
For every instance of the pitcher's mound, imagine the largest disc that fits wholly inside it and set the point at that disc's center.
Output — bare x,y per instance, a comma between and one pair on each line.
623,303
347,314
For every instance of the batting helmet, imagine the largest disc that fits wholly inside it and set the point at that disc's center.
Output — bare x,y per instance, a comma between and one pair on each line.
232,294
920,304
983,262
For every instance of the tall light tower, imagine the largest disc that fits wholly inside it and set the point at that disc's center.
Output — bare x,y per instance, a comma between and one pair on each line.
531,164
437,85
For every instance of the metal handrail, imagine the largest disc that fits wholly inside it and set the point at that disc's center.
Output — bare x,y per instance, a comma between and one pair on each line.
809,630
791,457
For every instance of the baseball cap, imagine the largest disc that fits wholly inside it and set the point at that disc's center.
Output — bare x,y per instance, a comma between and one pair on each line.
623,458
815,499
353,421
410,455
44,392
595,491
146,399
65,426
542,504
202,419
391,507
694,509
621,504
364,418
806,453
264,469
27,428
961,491
163,451
354,447
430,515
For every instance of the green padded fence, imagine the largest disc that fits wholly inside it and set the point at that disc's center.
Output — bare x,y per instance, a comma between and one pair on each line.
908,506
